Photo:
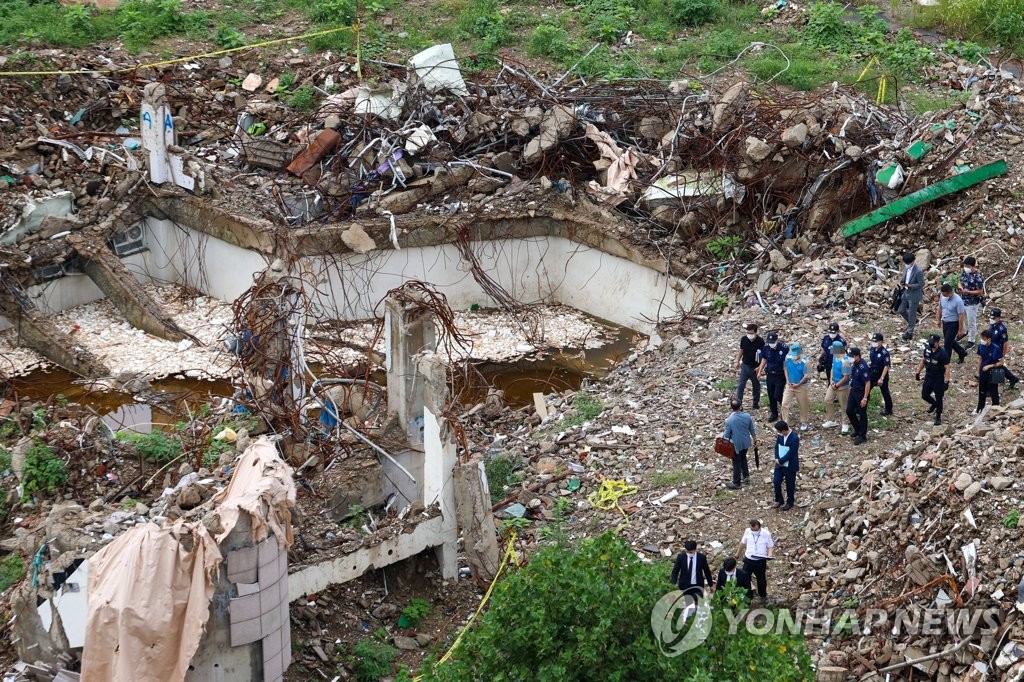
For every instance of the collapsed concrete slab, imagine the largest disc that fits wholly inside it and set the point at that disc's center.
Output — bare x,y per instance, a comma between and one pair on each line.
123,290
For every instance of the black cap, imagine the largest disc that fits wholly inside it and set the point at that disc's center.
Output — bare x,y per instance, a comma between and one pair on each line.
751,327
996,312
772,337
855,352
933,338
834,327
877,336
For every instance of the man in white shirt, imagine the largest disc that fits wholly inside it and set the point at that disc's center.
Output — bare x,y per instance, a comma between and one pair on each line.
756,548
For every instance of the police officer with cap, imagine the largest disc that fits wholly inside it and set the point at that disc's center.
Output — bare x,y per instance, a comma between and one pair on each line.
935,365
1001,337
857,403
773,360
826,345
881,363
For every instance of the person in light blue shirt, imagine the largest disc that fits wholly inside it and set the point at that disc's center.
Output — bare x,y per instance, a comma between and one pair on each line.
838,387
952,316
797,377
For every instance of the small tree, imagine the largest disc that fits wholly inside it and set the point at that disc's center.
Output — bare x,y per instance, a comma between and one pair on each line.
584,613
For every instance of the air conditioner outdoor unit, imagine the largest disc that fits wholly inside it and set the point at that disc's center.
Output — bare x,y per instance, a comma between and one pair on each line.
128,242
48,272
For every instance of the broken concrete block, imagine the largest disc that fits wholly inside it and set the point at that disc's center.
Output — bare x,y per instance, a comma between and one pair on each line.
1000,482
963,481
252,82
555,125
263,152
406,643
972,490
356,239
732,101
795,136
778,260
757,149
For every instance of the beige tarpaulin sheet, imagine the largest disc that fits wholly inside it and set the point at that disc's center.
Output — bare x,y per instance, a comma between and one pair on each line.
149,599
620,167
262,486
149,596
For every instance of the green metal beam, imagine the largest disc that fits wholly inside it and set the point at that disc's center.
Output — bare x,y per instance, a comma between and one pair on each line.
924,196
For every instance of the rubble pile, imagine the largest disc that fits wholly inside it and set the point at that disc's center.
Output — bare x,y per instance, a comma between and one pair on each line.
926,524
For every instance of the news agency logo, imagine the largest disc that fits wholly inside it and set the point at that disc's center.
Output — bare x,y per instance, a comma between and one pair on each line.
680,622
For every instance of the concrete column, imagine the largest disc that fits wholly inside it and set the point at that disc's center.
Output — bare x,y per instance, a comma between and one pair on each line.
473,508
439,458
409,332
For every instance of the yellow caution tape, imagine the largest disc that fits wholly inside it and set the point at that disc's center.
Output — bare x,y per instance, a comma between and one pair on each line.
177,60
882,81
607,496
508,559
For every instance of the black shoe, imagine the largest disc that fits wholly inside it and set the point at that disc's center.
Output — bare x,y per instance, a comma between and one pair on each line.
907,336
859,440
969,345
789,505
775,417
777,505
938,421
931,408
962,358
887,413
732,486
746,479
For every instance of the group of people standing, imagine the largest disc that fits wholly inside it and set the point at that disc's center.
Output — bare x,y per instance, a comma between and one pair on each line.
691,572
851,377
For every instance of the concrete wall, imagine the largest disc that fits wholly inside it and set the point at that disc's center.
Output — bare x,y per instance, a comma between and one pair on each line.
533,270
75,290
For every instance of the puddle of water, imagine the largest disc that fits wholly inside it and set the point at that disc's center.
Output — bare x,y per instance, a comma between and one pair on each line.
555,371
120,410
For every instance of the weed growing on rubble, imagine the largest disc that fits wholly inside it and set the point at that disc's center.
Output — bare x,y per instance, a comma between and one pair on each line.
725,248
587,406
548,41
414,613
12,569
44,471
303,98
501,475
572,611
370,660
1012,519
228,37
156,446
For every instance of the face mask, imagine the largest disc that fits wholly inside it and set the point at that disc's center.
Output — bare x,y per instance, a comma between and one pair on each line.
991,320
831,335
773,344
874,344
967,270
751,336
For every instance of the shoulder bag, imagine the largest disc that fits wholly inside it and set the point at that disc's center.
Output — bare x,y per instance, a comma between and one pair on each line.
997,375
725,448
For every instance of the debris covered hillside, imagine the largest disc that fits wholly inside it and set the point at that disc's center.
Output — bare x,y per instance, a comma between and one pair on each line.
788,209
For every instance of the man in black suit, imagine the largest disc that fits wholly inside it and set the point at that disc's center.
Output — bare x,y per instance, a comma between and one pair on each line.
691,571
730,572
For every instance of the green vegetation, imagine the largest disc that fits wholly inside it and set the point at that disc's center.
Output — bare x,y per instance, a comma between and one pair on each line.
720,303
372,660
156,446
535,628
5,460
12,569
588,407
414,613
44,471
1012,519
1001,21
670,479
725,248
501,475
303,98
